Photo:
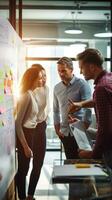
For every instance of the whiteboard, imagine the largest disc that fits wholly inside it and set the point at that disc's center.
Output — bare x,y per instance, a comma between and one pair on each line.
10,62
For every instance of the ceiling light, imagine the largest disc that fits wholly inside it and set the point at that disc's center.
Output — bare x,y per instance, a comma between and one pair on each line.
74,29
79,44
103,35
107,33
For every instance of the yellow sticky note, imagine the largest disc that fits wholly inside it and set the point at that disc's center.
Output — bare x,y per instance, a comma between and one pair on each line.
82,165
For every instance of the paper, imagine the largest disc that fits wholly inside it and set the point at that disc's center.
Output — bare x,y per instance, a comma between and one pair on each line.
71,170
78,131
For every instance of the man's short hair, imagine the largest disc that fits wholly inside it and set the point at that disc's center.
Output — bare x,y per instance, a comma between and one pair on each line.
92,56
67,61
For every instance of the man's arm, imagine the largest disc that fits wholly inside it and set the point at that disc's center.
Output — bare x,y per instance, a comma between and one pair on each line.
87,104
57,129
56,115
75,106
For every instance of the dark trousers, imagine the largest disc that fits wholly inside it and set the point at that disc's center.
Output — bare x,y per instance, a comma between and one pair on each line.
36,139
108,158
70,147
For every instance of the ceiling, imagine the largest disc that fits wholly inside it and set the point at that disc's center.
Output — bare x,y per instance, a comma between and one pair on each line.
47,20
61,10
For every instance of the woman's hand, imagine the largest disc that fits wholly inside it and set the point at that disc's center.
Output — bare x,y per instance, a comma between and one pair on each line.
28,152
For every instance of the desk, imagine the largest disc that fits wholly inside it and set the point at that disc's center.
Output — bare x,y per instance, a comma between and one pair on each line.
84,187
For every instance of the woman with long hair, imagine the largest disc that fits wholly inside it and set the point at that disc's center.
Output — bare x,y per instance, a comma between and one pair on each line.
32,112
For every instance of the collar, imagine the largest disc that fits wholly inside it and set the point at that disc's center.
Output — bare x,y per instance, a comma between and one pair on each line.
99,77
71,82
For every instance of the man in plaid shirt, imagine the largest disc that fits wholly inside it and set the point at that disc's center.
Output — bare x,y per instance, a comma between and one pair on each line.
90,63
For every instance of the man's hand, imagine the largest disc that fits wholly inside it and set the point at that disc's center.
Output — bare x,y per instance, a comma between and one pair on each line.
74,106
72,119
58,130
85,154
60,134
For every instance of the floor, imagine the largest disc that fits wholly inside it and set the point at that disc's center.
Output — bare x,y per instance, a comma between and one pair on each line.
45,189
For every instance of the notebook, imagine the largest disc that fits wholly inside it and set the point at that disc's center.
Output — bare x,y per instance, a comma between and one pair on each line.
79,132
71,170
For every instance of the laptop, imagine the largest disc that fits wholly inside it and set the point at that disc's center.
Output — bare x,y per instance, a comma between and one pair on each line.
79,132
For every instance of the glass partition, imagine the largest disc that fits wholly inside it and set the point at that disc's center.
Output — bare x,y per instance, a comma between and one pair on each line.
48,56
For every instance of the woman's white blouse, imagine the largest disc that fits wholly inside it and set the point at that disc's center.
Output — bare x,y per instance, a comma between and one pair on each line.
33,108
39,109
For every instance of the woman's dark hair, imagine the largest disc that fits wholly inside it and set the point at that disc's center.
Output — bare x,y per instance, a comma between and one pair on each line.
29,77
92,56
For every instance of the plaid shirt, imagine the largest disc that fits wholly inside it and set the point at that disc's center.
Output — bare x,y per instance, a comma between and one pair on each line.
103,107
